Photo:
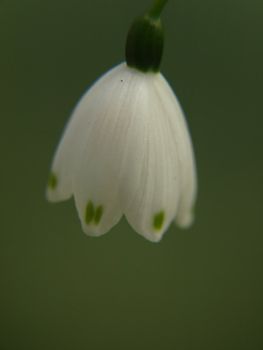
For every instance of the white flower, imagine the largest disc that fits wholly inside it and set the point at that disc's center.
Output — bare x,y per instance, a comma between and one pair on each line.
127,151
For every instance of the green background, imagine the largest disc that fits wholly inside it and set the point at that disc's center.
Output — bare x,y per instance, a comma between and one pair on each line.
196,289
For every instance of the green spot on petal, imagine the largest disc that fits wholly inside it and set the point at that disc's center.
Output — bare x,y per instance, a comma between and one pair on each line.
98,214
158,220
90,212
52,181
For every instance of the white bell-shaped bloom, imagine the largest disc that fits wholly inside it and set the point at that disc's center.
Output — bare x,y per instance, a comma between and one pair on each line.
127,151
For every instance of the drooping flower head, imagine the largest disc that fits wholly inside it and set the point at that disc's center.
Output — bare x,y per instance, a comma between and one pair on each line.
126,149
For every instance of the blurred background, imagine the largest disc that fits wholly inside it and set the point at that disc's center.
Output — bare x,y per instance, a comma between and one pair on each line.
197,289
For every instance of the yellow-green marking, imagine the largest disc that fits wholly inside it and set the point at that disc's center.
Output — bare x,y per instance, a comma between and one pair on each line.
90,212
52,181
93,214
158,220
98,214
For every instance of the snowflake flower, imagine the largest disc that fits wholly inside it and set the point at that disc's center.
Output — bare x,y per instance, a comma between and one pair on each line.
126,149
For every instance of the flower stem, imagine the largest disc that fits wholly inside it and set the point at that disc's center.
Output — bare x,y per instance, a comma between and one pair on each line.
157,8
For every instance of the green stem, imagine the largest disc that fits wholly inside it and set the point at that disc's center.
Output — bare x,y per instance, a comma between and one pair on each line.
157,8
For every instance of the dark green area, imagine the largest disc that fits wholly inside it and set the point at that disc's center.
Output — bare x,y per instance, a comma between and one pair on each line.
89,213
198,289
98,214
158,220
144,45
52,181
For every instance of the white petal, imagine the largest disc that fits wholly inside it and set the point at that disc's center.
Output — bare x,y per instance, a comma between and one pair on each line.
127,150
151,184
71,144
101,165
187,166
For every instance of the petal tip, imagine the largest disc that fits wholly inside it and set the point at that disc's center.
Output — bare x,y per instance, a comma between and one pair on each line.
186,219
51,187
92,231
49,196
95,219
56,190
151,228
154,237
